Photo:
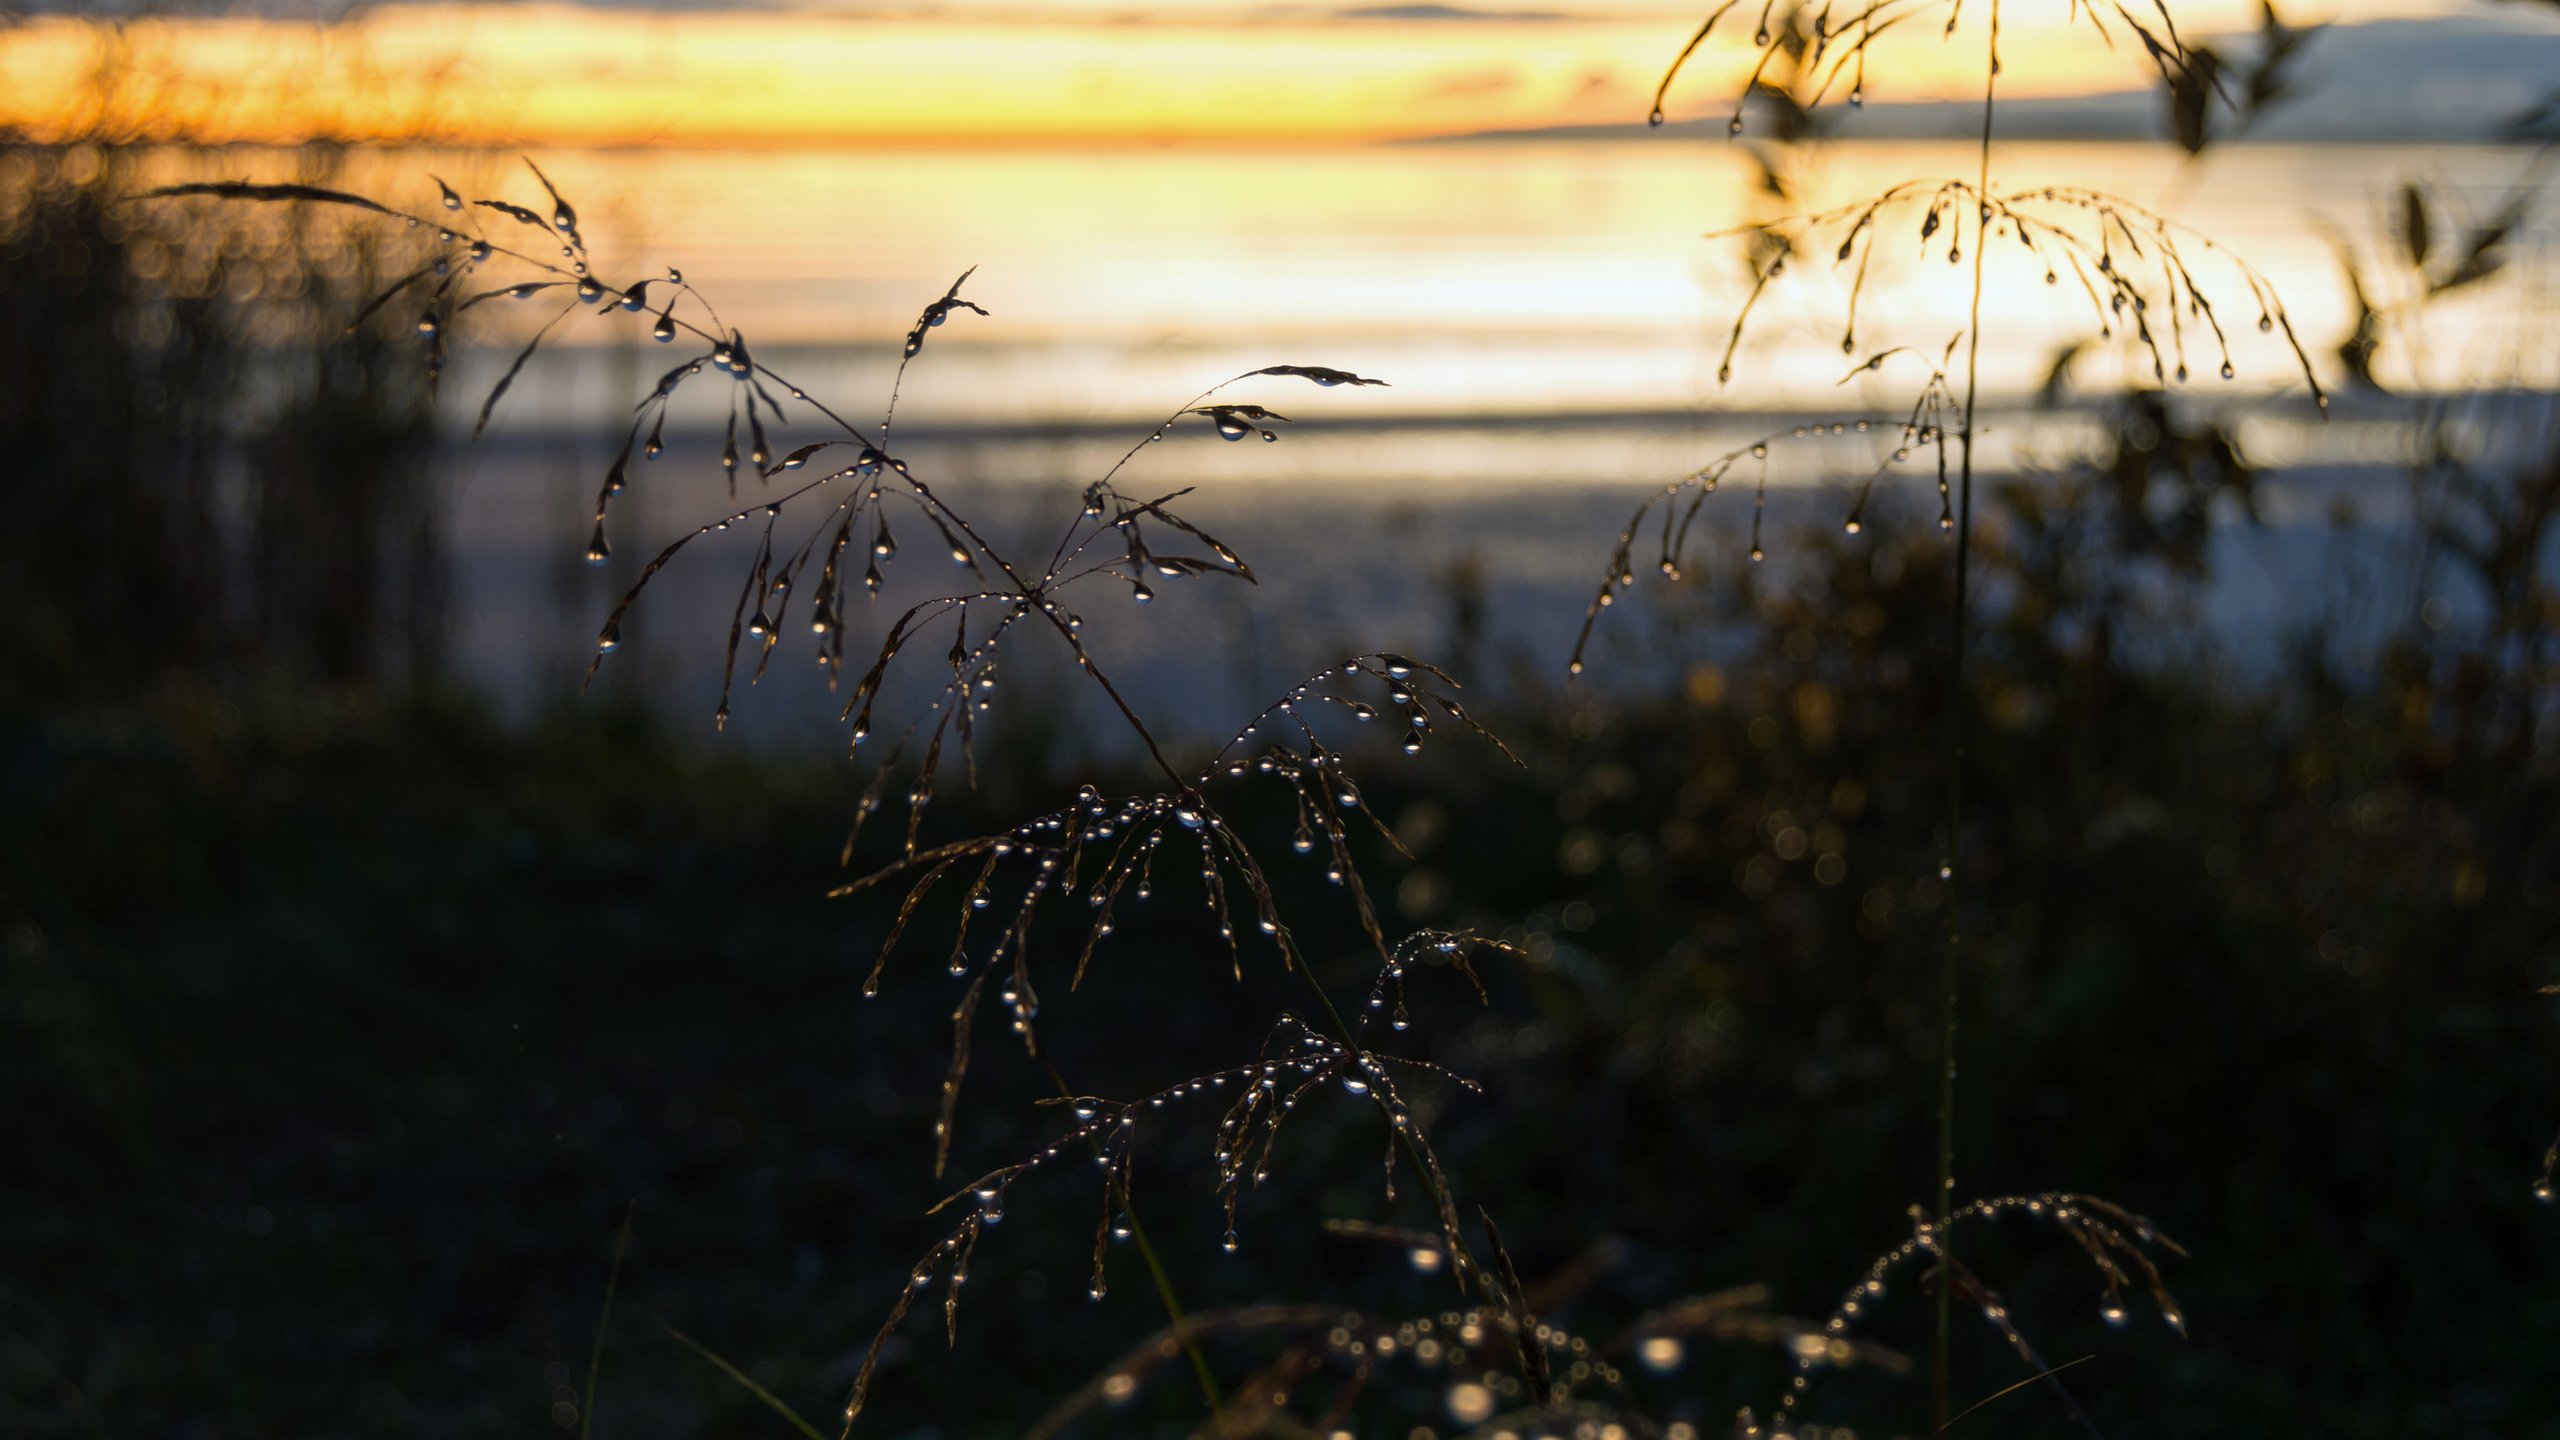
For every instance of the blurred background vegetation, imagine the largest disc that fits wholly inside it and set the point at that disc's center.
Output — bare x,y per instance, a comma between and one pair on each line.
344,1021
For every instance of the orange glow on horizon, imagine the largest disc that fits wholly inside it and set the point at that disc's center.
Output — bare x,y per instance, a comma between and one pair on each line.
561,75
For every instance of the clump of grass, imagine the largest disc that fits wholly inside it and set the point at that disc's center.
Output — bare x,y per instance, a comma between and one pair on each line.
2148,286
1116,535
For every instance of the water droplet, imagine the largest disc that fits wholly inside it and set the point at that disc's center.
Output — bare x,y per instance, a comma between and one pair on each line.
1139,592
1353,1084
1231,1242
1655,119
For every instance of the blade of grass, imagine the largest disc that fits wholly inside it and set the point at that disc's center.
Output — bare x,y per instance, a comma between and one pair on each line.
2008,1390
604,1319
771,1401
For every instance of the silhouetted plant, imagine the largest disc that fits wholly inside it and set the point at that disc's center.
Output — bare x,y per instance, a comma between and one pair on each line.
2144,275
202,482
1115,534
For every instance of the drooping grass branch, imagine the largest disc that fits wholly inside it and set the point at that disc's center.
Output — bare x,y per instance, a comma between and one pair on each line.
1115,534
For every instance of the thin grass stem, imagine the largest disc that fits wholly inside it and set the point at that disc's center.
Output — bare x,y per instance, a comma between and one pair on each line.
771,1401
1948,965
604,1319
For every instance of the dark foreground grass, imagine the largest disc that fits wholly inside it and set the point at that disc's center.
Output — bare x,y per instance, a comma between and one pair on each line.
341,1036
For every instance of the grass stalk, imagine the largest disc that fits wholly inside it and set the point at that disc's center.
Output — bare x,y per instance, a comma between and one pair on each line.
1942,1336
604,1320
771,1401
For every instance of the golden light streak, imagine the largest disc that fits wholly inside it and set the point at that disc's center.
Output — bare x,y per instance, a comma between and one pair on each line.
570,76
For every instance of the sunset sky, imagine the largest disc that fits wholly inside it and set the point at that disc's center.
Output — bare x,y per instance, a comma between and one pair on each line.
966,74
